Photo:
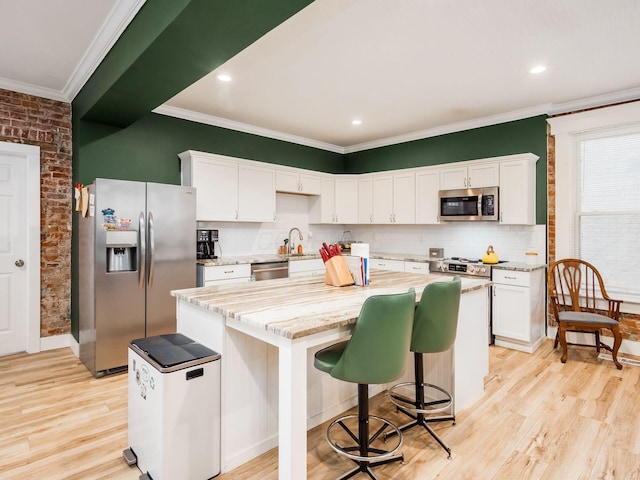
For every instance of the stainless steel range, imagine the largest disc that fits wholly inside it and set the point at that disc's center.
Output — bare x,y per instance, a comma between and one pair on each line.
470,267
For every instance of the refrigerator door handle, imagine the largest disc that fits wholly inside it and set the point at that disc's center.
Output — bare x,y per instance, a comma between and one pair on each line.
142,251
152,245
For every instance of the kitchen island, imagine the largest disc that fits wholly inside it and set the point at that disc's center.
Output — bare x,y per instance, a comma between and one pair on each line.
267,333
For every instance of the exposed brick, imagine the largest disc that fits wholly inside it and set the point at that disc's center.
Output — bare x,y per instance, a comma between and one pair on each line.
47,123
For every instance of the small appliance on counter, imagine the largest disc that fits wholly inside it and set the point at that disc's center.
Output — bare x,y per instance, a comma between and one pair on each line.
205,244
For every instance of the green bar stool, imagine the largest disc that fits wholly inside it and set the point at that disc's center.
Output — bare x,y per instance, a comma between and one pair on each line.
434,330
375,354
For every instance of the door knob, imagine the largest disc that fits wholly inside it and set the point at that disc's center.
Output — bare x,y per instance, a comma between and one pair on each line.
19,263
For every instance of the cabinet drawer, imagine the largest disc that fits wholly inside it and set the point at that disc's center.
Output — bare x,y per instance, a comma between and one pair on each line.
395,265
224,272
416,267
511,277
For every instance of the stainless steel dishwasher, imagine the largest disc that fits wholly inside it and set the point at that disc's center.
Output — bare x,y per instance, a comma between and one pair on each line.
271,270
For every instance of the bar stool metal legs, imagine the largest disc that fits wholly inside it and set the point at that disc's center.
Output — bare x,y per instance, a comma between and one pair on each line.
362,451
438,400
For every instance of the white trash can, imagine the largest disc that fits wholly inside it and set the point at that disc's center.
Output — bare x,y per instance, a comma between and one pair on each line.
174,408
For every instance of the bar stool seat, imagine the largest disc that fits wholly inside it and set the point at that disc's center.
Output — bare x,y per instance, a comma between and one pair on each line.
375,354
434,330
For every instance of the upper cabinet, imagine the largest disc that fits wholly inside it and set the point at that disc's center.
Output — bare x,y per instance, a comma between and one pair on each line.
387,198
518,191
394,199
427,187
292,180
229,189
469,176
338,201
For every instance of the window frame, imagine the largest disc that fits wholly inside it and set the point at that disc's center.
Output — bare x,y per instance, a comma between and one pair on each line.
569,131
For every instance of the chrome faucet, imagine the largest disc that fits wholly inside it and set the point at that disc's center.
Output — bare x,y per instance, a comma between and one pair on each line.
290,245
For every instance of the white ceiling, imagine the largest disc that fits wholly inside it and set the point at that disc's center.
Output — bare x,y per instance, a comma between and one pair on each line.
408,69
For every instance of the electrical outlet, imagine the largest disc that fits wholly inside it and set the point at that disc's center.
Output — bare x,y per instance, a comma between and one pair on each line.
309,235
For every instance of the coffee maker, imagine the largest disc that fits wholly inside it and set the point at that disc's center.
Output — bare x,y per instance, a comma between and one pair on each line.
205,243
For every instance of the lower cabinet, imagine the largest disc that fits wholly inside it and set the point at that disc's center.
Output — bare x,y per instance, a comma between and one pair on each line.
209,275
518,317
380,264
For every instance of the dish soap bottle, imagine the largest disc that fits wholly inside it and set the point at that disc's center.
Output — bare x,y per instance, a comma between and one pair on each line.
299,249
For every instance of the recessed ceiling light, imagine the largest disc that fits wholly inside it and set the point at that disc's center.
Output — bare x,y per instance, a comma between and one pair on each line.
356,122
538,69
224,78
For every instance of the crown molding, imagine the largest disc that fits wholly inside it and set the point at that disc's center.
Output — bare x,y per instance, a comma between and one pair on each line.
612,98
117,21
451,128
544,109
244,127
30,89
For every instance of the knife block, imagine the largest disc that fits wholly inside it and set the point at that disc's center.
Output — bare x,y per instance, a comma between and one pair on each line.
337,273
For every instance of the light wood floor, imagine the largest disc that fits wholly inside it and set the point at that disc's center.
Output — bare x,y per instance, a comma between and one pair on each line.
538,419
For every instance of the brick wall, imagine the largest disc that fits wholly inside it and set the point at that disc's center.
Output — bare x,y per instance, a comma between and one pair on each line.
46,123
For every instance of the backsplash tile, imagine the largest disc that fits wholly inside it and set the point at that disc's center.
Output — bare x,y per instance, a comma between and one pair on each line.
465,239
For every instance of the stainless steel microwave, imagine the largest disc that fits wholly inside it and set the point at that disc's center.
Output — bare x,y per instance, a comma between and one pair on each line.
468,204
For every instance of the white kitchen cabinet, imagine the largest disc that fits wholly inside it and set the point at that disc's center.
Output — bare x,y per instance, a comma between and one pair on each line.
312,266
223,274
518,319
229,189
338,202
394,198
296,181
416,267
518,191
427,188
256,194
365,199
470,176
380,264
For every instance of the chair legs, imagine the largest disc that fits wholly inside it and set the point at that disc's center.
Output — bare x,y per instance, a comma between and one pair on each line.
416,408
561,336
362,452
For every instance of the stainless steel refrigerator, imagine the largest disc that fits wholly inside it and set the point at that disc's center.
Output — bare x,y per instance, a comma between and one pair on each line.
126,274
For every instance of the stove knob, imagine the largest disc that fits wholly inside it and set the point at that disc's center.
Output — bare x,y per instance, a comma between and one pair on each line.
472,269
483,270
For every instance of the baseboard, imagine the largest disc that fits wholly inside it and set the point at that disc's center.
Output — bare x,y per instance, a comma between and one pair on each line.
54,342
629,347
249,454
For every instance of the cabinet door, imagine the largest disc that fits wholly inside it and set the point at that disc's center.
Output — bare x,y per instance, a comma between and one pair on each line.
310,184
322,207
365,200
404,198
256,194
216,183
453,177
287,181
517,193
427,187
382,199
346,200
483,175
511,313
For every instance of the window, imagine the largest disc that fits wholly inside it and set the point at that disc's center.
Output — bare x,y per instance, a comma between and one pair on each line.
597,195
608,207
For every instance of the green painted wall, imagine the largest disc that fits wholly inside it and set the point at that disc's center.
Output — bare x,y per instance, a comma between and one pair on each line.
521,136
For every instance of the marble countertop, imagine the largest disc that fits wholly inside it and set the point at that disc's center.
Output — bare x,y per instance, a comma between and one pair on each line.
267,258
297,307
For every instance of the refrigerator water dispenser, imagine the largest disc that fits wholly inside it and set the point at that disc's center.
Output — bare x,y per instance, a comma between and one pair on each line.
121,250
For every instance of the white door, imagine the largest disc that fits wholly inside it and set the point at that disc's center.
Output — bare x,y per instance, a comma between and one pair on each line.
16,326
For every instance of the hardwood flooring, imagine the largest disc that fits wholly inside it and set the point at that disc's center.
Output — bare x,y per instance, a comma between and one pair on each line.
538,419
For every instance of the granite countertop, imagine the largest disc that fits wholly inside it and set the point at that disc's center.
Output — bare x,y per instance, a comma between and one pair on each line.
296,307
411,257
